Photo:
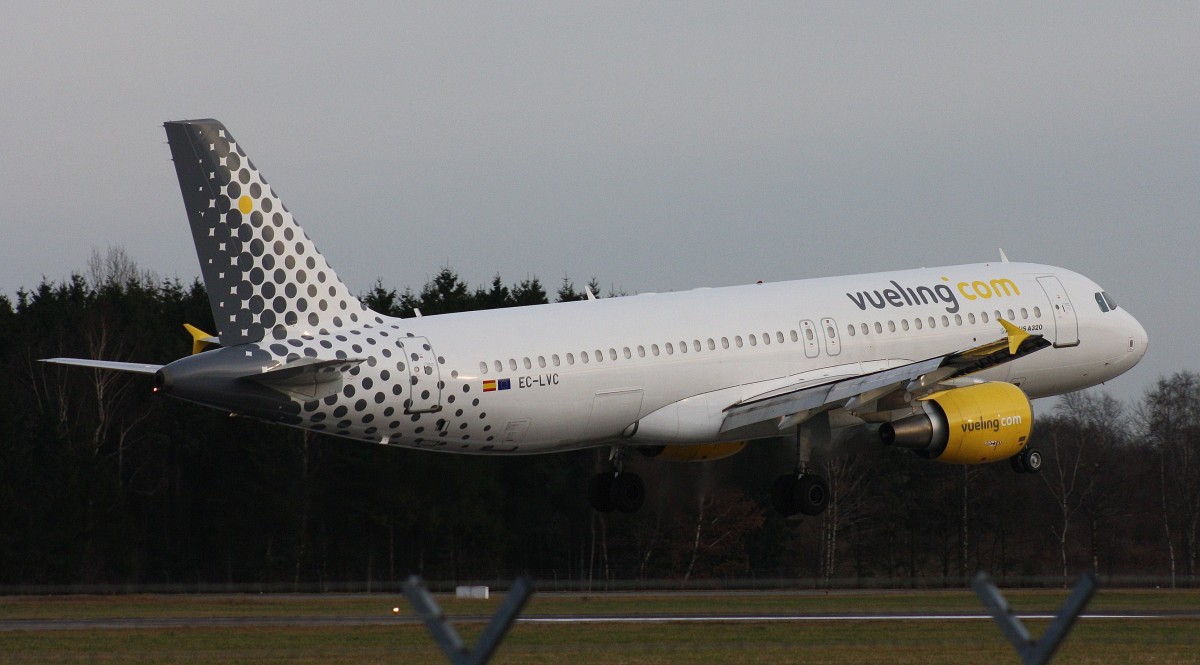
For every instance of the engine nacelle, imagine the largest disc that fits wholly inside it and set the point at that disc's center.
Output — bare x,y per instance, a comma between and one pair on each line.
699,452
975,424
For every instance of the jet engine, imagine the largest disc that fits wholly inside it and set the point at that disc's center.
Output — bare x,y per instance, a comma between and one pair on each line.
699,452
986,422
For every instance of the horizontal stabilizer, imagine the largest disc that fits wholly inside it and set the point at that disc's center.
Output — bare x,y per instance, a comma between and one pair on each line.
134,368
308,378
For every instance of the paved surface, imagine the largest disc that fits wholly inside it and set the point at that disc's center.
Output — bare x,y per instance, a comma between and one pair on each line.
387,620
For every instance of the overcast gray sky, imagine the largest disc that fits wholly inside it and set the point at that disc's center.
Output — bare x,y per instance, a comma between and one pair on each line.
655,146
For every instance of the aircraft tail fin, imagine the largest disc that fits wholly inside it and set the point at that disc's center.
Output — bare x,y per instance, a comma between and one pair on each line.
263,275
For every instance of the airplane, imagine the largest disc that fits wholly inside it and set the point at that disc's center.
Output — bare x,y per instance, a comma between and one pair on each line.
941,361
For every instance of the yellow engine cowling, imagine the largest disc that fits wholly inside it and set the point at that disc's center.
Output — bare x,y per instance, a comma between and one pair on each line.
982,423
699,452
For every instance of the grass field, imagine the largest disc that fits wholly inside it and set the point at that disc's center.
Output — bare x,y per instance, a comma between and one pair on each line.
1157,640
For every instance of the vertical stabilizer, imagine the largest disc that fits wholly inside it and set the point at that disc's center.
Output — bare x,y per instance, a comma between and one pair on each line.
263,275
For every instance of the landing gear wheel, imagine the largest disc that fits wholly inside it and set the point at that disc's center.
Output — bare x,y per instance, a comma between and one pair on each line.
1027,461
783,495
1031,459
812,494
807,494
627,492
624,492
600,492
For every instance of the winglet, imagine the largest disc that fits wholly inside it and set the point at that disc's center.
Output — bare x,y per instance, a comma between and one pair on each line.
200,339
1015,336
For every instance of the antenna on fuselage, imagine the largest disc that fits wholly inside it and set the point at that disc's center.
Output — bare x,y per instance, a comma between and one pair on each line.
1003,256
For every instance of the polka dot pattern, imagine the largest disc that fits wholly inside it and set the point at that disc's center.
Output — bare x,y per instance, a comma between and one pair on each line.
264,276
273,292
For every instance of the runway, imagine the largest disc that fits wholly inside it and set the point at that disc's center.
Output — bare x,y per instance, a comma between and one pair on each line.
388,620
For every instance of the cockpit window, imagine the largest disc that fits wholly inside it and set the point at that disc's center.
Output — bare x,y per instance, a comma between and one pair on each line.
1112,304
1100,301
1105,302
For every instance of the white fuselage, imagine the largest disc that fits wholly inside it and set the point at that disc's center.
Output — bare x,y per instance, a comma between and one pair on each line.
570,375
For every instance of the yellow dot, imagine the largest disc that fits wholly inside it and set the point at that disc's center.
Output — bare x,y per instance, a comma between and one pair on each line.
245,204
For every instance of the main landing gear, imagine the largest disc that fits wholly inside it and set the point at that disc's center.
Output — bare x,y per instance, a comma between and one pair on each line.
617,490
803,491
1028,460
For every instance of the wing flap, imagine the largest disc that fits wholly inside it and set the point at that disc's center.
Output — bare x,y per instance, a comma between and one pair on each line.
835,392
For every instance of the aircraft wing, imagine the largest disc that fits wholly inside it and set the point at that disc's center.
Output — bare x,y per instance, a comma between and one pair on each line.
793,405
135,368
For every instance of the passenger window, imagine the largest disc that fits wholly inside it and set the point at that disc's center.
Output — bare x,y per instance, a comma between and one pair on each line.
1037,312
641,351
998,315
483,368
830,332
795,337
753,340
766,338
682,346
1011,316
779,337
612,354
670,349
512,364
984,316
499,366
808,334
696,345
1024,313
712,346
627,352
570,358
599,356
654,349
932,322
724,342
878,328
958,319
555,359
850,330
971,318
945,321
737,340
865,329
904,324
541,361
891,326
583,355
918,324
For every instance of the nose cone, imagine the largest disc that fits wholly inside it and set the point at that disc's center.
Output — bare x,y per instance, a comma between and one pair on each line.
1139,341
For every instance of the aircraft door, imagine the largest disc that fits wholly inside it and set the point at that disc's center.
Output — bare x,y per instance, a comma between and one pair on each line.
833,345
424,392
1066,325
808,330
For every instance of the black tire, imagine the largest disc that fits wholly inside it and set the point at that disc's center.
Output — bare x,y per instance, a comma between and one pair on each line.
1031,459
783,495
600,492
1017,462
627,492
811,495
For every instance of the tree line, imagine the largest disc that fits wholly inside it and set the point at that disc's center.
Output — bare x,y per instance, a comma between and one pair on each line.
102,482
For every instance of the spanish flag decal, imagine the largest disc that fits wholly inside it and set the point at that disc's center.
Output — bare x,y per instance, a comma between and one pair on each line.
489,386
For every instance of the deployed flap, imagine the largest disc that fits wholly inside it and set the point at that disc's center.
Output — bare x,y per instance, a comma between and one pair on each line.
813,399
308,378
134,368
